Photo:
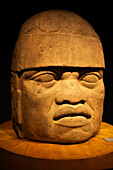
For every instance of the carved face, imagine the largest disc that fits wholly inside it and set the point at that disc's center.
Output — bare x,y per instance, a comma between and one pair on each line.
62,104
59,91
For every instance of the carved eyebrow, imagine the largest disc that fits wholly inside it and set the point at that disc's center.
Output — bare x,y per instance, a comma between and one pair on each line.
58,70
98,73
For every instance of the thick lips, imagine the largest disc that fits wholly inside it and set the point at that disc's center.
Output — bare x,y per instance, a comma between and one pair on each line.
73,116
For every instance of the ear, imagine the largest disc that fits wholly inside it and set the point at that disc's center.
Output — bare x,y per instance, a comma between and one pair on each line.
16,105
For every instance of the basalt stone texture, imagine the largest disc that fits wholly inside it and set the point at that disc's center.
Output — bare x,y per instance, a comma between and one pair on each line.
57,89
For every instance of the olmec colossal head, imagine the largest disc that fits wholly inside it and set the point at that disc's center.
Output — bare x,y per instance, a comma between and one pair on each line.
57,79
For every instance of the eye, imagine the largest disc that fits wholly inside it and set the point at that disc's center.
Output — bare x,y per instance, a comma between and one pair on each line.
43,77
90,78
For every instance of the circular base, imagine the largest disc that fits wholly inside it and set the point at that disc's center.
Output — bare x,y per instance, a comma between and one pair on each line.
18,154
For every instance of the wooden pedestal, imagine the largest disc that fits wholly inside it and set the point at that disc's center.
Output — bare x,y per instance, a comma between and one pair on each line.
18,154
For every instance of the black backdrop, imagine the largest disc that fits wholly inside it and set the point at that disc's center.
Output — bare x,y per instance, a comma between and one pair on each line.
13,15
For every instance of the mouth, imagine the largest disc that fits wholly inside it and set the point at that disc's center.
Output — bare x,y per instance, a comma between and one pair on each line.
72,116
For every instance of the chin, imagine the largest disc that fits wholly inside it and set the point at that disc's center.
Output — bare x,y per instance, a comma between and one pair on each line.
75,137
71,139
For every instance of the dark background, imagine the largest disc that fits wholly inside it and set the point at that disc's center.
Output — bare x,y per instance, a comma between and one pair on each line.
13,15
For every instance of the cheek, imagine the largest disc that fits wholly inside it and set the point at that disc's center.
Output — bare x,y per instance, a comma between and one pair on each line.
36,104
36,98
95,99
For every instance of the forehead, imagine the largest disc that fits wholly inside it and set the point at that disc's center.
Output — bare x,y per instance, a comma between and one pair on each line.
42,50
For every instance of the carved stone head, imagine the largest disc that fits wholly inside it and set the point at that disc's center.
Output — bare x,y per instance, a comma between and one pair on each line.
57,79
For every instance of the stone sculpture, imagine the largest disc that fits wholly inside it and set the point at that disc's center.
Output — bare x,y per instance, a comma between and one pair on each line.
57,84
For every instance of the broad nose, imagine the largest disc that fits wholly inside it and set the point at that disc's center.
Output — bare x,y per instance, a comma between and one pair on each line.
70,93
